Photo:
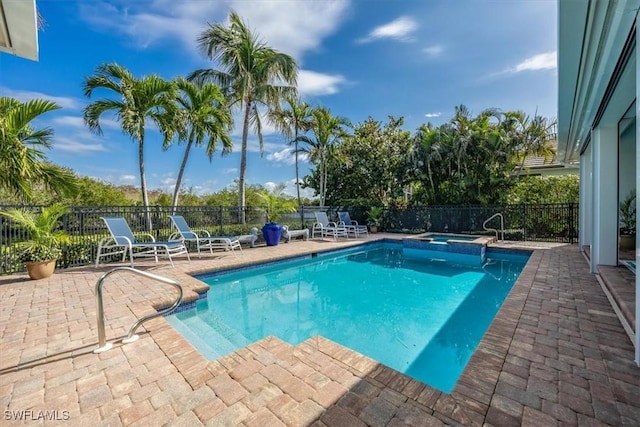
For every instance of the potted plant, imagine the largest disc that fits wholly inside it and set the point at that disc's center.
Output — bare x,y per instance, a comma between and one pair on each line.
628,222
375,218
276,204
43,248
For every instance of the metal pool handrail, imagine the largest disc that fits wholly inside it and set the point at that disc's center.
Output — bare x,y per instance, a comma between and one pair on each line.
131,337
484,225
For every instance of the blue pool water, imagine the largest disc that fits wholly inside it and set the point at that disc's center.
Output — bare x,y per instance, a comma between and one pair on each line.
419,316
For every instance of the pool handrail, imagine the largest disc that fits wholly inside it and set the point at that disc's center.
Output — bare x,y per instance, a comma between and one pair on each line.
484,225
131,337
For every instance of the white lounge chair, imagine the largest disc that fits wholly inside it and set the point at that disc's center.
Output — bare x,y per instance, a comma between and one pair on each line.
202,238
325,228
351,225
124,241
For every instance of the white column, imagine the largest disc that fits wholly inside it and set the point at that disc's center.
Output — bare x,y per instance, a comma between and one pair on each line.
586,191
604,249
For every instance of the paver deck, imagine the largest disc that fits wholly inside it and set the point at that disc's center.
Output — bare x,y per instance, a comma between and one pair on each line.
556,354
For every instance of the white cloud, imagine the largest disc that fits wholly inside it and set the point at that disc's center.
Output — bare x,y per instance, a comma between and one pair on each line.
78,122
25,95
313,83
228,171
399,29
543,61
170,181
127,179
291,27
285,156
433,51
431,115
77,146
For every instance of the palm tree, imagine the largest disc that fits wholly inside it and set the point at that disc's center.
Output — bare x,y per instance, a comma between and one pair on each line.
205,117
149,97
536,137
22,161
252,74
293,123
327,130
427,152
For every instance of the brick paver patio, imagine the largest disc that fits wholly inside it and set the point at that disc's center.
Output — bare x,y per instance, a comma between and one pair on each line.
556,354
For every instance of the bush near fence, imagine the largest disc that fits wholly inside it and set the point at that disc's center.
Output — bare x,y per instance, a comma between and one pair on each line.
550,222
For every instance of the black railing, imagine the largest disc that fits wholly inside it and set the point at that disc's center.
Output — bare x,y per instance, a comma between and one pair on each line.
552,222
543,222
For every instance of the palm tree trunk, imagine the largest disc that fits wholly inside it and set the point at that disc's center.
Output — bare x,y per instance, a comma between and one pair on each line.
143,185
433,188
183,165
243,163
298,184
297,170
322,166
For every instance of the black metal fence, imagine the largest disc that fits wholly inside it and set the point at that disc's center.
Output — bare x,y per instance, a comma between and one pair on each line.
542,222
553,222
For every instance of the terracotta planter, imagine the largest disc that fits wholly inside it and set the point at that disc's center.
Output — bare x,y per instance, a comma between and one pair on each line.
627,242
373,229
40,269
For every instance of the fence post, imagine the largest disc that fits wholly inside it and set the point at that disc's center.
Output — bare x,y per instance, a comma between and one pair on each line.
571,223
524,221
301,216
221,221
156,226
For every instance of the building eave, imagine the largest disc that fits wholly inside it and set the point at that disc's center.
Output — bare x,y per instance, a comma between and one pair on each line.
591,36
19,28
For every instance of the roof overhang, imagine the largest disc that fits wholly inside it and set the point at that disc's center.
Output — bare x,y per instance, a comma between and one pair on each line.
19,28
591,37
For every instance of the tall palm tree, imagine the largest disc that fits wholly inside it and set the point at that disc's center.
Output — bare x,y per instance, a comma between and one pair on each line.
137,100
22,161
293,123
206,119
251,74
327,130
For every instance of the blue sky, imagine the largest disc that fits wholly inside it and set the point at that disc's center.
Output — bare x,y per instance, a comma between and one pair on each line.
359,58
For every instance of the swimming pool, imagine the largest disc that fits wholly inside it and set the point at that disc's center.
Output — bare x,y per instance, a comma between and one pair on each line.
419,316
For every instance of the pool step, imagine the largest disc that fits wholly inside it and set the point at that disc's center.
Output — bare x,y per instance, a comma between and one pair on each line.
213,338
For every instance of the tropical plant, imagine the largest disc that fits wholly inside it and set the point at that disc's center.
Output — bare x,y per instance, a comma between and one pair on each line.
205,118
22,160
293,122
544,189
628,214
375,216
251,74
531,136
277,203
326,130
45,240
137,100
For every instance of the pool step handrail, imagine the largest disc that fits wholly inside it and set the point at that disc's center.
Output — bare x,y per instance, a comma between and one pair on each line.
131,337
484,225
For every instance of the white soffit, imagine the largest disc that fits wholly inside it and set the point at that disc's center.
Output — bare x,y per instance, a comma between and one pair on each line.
591,35
19,28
